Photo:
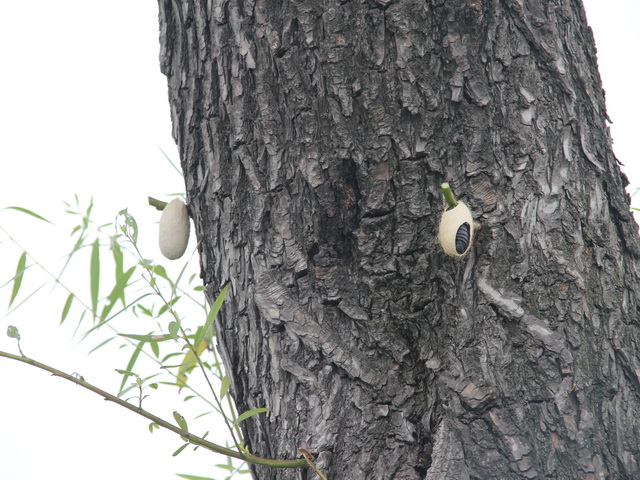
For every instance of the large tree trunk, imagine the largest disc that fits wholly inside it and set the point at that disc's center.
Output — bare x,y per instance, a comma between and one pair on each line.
314,137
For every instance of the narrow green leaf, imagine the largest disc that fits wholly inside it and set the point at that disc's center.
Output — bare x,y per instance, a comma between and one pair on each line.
95,276
130,387
132,362
116,293
145,310
67,307
161,272
147,338
101,344
174,287
174,328
133,226
25,300
202,415
28,212
152,426
17,279
207,331
76,247
227,466
168,305
171,162
97,326
193,477
87,216
149,377
12,332
224,389
177,452
170,355
155,348
118,259
249,413
182,423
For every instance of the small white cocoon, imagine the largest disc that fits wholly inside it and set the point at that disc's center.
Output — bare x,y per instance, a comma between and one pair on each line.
174,229
449,230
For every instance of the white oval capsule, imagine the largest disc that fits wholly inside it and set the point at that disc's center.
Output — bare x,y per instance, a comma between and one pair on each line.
174,229
456,230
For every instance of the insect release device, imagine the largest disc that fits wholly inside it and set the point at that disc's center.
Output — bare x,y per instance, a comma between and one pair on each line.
457,227
173,233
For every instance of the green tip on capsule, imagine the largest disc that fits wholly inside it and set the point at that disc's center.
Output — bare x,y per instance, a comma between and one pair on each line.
448,195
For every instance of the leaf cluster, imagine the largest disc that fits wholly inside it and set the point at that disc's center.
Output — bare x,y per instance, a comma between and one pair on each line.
174,344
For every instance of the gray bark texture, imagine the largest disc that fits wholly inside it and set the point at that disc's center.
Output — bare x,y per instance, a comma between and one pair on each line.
314,136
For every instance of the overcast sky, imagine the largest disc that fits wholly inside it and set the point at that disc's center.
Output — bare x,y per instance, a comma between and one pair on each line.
83,109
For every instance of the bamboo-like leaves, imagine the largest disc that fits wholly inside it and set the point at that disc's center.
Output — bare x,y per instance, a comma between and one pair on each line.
116,293
182,423
206,333
118,260
102,344
95,276
130,226
192,343
17,279
28,212
179,450
66,308
203,337
147,338
193,477
224,388
174,329
130,365
248,414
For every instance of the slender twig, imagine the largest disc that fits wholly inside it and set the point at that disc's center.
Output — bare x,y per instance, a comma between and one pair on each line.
191,438
309,459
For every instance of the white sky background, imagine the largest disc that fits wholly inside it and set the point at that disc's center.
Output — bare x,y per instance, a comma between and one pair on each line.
83,109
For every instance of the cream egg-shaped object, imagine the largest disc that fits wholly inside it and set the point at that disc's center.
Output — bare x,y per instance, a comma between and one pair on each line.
174,229
456,230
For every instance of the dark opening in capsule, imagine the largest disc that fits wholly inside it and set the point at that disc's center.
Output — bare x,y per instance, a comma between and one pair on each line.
462,238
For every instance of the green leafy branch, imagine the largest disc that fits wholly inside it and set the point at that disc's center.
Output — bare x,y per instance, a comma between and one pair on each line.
102,311
202,338
180,429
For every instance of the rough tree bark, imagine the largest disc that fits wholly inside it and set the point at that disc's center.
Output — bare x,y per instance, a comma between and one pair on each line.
314,136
